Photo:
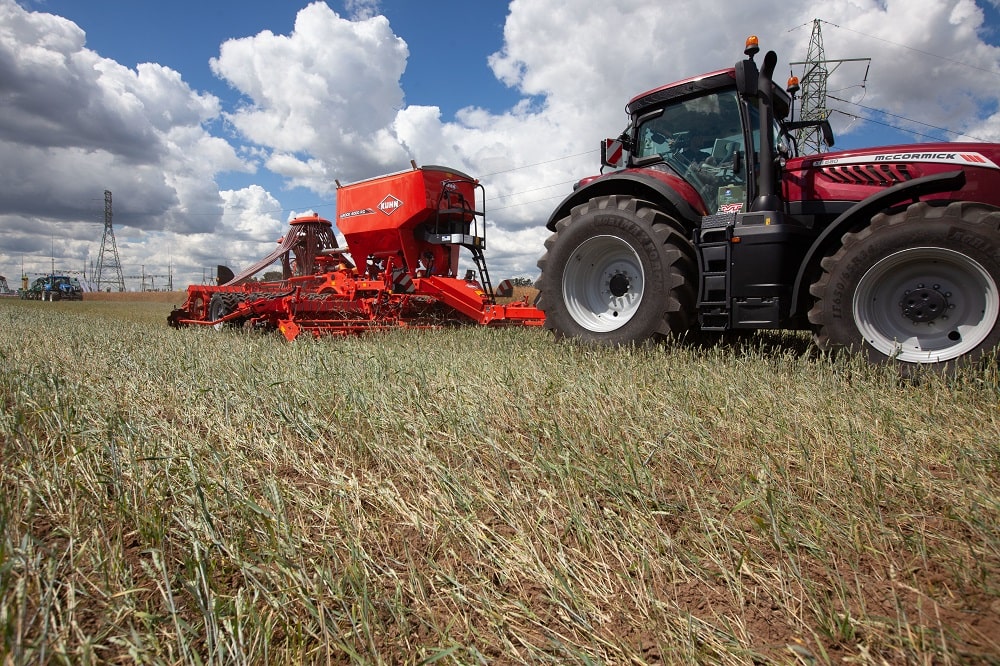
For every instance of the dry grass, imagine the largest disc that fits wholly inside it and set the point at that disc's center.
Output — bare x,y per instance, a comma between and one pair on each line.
482,495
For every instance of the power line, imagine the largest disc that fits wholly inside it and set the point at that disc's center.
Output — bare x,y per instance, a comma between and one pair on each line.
878,122
525,203
994,72
533,189
528,166
904,118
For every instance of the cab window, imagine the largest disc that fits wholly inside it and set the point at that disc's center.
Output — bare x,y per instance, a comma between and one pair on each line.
699,139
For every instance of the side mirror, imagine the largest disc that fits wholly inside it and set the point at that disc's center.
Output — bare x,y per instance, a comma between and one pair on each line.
823,125
504,290
827,131
612,152
746,78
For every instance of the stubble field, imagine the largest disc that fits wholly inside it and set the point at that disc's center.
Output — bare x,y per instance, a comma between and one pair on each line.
483,496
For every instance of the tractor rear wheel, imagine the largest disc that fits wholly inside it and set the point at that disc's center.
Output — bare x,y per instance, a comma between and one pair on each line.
919,287
617,271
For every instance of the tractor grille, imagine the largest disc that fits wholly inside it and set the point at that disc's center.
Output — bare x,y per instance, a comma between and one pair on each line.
882,175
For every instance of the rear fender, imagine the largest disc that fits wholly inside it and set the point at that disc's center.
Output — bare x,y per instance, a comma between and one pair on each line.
639,185
864,211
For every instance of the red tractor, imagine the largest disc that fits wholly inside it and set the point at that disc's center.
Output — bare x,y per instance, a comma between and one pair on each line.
713,222
404,233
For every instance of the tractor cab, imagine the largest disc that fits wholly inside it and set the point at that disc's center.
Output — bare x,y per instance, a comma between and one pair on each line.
702,140
706,131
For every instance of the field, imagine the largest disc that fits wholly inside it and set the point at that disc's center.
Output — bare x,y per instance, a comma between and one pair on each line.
483,496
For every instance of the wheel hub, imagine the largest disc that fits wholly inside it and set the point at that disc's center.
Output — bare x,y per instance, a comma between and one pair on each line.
924,304
619,285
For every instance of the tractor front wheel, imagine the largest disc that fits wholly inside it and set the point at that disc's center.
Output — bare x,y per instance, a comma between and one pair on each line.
919,287
617,271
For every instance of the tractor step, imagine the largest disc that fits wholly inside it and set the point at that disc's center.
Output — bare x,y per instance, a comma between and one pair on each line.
712,240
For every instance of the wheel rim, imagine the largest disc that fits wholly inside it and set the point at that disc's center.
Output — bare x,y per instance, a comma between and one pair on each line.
216,309
926,305
603,284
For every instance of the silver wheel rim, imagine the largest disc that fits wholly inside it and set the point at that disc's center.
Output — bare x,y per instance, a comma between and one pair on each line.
926,305
603,284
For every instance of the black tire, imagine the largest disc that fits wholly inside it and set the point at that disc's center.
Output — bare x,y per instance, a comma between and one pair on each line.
919,287
617,271
222,304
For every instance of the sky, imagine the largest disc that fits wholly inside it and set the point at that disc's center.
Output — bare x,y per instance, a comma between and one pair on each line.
215,122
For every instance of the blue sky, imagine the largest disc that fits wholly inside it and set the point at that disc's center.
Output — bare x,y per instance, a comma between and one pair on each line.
213,122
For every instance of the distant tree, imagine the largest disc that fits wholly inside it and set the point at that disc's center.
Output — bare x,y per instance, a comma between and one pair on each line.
522,281
271,276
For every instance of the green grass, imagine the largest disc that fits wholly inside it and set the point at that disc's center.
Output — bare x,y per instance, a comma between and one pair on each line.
483,496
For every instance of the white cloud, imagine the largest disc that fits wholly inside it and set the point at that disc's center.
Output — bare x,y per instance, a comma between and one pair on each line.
250,224
253,212
329,89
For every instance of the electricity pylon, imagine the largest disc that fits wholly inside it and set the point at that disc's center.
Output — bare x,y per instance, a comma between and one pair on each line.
813,81
110,260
